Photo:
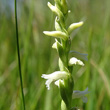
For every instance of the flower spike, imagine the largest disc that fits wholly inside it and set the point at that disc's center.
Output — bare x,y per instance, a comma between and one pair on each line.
63,78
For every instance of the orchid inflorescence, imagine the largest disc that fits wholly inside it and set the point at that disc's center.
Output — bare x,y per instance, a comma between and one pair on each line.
63,78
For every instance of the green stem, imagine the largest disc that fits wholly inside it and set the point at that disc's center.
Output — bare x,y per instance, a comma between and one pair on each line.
18,52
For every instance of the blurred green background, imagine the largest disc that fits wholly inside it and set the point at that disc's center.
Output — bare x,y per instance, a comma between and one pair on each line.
37,56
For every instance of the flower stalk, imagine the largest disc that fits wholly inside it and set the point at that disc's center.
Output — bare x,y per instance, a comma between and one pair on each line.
63,78
18,53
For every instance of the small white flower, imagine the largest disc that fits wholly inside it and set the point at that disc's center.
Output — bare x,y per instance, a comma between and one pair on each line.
75,61
80,94
54,77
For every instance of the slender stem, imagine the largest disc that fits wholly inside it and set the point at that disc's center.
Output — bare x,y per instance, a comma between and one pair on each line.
18,52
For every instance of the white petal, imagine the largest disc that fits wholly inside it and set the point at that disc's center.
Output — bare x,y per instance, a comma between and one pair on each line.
75,61
45,76
48,82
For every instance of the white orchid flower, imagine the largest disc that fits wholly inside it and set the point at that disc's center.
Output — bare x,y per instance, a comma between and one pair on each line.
74,61
54,77
80,94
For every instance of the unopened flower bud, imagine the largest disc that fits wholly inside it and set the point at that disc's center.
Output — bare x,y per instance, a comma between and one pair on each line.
64,6
74,26
57,34
55,10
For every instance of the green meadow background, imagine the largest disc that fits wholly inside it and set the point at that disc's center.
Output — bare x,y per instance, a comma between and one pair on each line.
37,56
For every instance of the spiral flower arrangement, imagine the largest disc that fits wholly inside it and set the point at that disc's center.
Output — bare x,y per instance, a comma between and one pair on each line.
63,78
